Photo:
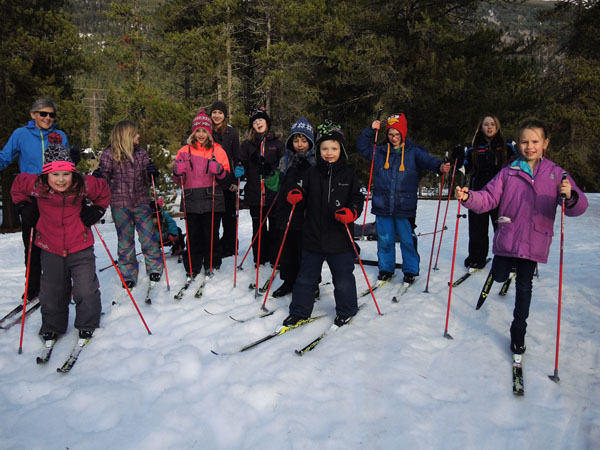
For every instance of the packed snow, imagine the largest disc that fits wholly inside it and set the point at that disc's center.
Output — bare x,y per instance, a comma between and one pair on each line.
385,381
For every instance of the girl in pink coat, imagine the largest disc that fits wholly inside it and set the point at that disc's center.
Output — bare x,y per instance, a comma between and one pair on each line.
527,193
69,205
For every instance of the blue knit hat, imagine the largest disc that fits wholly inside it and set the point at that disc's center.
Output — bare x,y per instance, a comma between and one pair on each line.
303,127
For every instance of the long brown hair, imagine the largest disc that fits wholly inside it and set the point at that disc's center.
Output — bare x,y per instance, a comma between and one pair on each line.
497,140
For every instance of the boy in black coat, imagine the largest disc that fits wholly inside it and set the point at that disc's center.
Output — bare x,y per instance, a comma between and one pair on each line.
332,200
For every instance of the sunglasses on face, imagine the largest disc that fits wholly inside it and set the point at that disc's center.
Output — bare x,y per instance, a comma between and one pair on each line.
46,113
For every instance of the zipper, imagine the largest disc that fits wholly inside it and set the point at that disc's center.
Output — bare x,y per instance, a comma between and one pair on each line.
329,188
43,146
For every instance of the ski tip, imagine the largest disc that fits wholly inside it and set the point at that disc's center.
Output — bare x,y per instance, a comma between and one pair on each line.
395,299
299,352
214,353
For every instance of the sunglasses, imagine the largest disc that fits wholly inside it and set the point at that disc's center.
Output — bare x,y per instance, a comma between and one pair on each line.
46,113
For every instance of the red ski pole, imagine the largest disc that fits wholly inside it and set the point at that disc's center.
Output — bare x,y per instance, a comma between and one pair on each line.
25,294
237,226
458,216
435,267
162,246
260,221
240,267
212,228
371,172
278,256
187,231
362,267
122,279
560,278
437,217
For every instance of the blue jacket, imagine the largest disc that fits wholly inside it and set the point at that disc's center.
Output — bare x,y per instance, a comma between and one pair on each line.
395,192
29,144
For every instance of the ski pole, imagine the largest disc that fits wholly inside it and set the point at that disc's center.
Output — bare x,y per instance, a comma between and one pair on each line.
437,217
371,172
262,203
435,267
26,287
240,267
237,226
362,267
432,232
560,278
187,231
162,246
110,265
122,279
458,217
278,256
212,229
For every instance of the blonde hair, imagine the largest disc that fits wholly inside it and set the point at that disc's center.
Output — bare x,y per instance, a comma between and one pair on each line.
121,140
191,140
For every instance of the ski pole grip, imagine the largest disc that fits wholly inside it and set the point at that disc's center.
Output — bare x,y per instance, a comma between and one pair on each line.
379,113
564,177
461,216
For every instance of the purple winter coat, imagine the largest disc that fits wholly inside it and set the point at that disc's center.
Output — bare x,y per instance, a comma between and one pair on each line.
527,209
128,181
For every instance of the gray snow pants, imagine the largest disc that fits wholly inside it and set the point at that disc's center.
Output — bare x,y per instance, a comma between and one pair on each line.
55,291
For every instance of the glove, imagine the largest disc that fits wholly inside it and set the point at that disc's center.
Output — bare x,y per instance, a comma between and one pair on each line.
29,213
75,155
458,155
172,239
91,214
215,167
264,169
346,215
239,171
97,173
294,196
151,169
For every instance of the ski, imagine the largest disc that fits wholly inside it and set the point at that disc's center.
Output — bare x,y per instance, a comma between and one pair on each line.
263,313
45,356
506,285
405,287
316,341
198,293
485,291
370,262
468,274
15,320
518,384
17,309
278,332
265,286
72,359
379,284
179,294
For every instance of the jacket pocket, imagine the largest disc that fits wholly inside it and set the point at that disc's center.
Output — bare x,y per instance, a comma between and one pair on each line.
504,239
540,241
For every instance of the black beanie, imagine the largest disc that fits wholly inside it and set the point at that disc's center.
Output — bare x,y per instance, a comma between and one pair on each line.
220,106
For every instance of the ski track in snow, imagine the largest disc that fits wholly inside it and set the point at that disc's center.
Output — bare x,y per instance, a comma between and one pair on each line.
383,382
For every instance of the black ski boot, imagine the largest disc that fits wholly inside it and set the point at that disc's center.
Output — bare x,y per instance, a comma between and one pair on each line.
284,289
517,340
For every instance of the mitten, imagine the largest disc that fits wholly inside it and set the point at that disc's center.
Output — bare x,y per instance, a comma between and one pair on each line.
458,155
294,196
91,214
75,155
29,213
215,167
151,169
346,215
239,171
264,169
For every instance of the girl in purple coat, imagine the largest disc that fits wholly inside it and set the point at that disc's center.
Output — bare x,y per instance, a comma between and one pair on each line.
526,212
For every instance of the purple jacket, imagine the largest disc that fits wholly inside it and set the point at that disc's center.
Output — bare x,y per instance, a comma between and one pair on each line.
128,181
527,209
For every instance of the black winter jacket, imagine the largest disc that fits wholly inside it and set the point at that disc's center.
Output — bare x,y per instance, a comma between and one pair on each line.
249,157
327,188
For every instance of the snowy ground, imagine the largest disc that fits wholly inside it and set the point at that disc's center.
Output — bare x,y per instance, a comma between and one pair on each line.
384,382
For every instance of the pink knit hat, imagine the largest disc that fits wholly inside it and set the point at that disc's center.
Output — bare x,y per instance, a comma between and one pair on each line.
202,121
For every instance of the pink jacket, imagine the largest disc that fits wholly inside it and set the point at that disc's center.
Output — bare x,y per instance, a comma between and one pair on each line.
60,229
527,208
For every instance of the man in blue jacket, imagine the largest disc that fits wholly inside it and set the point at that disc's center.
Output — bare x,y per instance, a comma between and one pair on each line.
29,143
396,180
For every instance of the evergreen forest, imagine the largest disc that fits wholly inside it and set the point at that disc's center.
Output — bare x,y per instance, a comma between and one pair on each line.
442,63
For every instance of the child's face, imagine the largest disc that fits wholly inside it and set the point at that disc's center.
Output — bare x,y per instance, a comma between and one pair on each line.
395,137
202,136
533,144
489,127
300,143
330,151
217,116
260,126
61,180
